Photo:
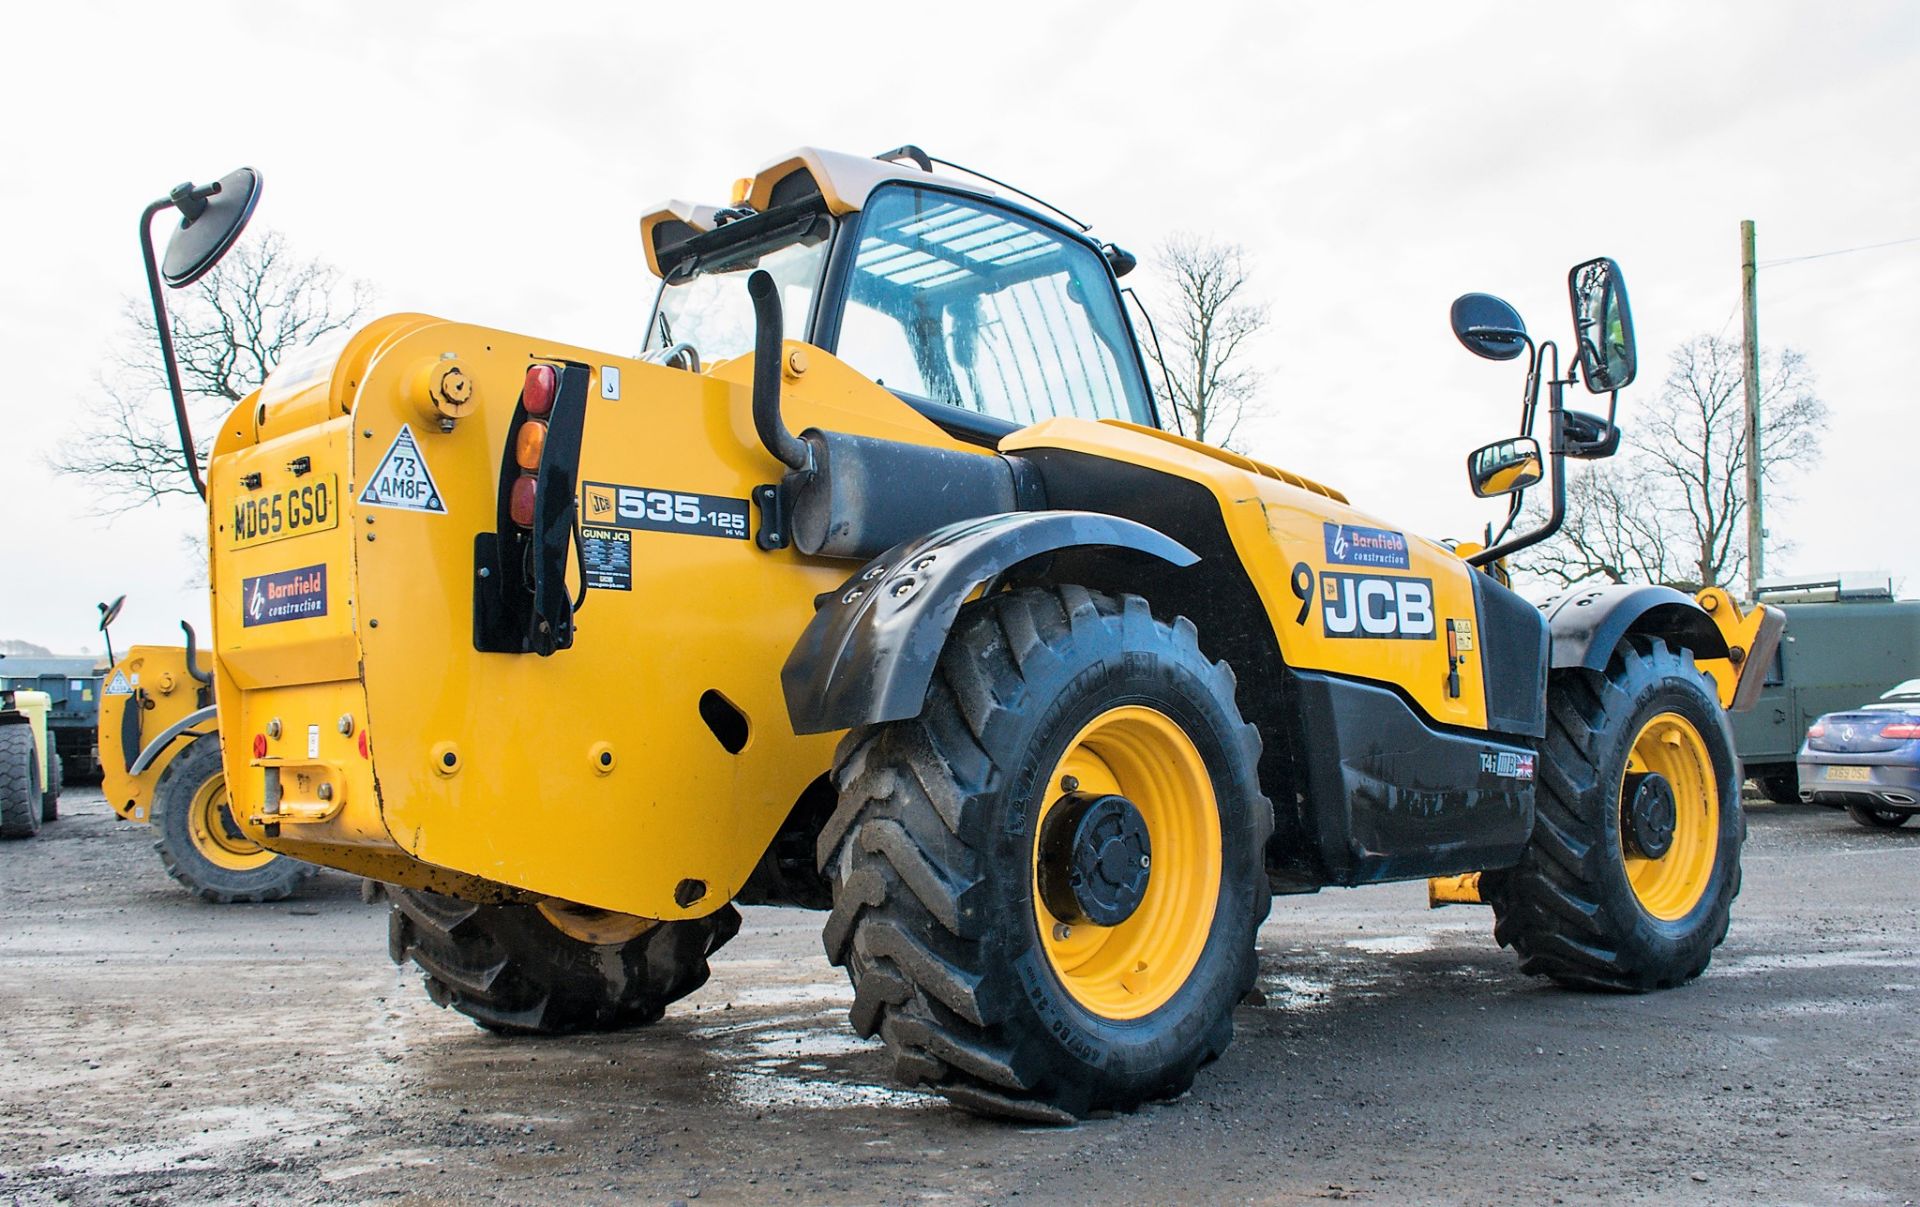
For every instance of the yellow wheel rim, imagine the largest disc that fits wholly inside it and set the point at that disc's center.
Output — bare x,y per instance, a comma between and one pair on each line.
216,836
590,925
1670,886
1129,970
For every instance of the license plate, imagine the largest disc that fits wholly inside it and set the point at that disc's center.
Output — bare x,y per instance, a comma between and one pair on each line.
296,510
1858,774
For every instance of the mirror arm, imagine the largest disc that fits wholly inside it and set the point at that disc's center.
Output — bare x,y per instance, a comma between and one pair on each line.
1557,451
165,330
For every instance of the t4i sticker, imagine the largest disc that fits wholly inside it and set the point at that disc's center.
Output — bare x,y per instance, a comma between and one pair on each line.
283,595
402,479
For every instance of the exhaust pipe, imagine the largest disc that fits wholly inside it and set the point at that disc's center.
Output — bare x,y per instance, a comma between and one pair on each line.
1896,798
768,330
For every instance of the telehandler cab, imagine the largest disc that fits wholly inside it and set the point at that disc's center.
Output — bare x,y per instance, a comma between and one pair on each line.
874,583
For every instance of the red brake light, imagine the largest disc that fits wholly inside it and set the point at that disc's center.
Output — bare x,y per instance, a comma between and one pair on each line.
259,745
520,502
1817,731
537,394
1904,730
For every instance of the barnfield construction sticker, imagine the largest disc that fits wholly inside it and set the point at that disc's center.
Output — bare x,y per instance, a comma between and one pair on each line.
402,480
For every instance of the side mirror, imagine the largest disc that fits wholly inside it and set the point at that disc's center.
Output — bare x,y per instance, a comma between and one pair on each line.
1488,326
1602,324
110,612
211,218
1589,437
1504,466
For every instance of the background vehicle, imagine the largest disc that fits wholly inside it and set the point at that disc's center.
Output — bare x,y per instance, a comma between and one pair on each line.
576,650
72,687
160,764
1845,640
1867,759
29,765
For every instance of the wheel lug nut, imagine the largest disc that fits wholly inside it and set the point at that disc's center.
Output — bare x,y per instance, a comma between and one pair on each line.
1069,783
1061,932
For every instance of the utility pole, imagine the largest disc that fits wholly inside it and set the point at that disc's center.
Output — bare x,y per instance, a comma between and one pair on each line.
1750,370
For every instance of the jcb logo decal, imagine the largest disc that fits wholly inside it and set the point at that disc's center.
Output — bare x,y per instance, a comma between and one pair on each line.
599,503
1376,606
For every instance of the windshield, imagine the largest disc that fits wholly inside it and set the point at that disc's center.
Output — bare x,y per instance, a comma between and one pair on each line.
704,302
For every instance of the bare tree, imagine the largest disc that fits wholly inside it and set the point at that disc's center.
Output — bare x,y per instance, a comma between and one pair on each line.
1673,509
230,329
1207,320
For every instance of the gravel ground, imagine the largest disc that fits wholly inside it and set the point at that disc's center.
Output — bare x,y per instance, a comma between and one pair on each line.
155,1049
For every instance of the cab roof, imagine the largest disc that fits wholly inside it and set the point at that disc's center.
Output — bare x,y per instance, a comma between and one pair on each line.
842,181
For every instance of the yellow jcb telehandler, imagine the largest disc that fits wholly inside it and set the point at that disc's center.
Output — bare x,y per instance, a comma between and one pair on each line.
876,583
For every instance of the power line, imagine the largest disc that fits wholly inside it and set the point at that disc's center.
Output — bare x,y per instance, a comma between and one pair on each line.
1845,251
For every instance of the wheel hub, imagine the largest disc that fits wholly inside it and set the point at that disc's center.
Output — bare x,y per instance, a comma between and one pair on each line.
1648,814
1095,859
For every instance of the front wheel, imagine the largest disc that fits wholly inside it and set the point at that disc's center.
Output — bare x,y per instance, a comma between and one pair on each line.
19,783
1046,887
1629,877
200,843
1877,818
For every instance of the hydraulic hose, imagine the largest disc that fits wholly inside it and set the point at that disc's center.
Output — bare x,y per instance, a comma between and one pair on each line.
768,330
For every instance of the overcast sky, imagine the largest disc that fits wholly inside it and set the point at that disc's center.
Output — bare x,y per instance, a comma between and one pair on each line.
489,163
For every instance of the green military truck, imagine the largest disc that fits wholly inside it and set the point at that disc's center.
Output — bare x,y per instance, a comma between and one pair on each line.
1846,642
72,686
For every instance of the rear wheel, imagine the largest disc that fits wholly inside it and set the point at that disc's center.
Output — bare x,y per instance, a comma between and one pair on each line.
19,783
1629,878
551,969
200,843
50,798
1879,819
1780,787
1046,887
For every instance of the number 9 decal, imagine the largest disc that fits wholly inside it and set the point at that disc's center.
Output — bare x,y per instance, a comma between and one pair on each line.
1303,589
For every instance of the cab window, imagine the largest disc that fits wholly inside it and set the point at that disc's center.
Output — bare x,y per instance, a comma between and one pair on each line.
954,301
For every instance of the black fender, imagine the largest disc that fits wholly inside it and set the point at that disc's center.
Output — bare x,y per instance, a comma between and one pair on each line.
869,652
1586,624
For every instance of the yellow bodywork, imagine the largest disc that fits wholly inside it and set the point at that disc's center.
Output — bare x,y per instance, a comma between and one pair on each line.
481,770
154,680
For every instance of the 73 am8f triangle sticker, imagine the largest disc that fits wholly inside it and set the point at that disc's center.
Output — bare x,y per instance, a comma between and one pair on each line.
402,479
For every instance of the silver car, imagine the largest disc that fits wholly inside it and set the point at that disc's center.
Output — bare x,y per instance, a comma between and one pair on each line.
1867,760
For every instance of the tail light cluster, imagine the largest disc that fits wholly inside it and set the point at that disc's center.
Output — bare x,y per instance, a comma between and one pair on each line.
1904,730
522,602
536,396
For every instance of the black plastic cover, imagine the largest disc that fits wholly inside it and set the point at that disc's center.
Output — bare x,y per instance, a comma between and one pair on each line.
1589,622
869,652
1389,797
1514,648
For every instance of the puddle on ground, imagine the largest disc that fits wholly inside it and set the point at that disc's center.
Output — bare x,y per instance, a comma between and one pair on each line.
1744,965
1396,945
222,1130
